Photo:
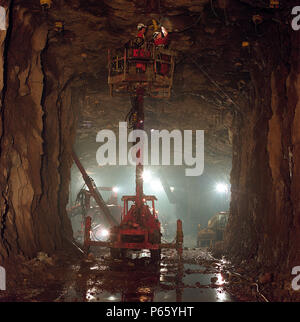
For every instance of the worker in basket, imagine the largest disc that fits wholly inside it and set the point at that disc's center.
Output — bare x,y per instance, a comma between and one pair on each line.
139,50
161,40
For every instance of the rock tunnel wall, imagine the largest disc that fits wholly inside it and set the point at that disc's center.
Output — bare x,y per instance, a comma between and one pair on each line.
37,128
265,208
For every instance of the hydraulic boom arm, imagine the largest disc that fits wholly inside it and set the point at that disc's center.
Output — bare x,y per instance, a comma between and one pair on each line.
94,192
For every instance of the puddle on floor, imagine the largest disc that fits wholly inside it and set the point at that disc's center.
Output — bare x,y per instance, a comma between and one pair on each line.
136,279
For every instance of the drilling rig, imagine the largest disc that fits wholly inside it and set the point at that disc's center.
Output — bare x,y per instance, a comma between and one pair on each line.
139,228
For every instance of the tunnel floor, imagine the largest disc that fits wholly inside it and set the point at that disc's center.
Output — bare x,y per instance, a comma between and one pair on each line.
98,278
137,279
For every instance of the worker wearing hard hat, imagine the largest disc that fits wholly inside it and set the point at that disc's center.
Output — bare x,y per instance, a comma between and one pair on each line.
141,30
138,51
161,39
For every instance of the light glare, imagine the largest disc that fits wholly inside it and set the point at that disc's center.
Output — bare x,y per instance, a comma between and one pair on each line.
156,185
104,233
221,188
146,176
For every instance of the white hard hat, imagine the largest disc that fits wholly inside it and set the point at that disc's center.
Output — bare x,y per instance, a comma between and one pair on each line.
140,26
164,31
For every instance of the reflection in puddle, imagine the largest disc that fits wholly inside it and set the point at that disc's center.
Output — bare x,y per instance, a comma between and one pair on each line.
99,267
222,296
220,280
138,280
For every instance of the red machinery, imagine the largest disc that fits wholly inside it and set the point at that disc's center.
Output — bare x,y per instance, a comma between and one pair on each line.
124,78
139,227
94,192
85,207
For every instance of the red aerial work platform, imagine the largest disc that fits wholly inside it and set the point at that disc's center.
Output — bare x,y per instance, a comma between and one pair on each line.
139,227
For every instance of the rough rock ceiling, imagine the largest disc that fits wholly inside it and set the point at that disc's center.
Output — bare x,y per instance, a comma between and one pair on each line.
211,76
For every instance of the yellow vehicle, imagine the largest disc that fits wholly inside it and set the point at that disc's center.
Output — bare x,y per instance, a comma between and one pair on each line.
214,232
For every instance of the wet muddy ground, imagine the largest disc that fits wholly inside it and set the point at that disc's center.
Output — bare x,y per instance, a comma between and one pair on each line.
136,278
197,278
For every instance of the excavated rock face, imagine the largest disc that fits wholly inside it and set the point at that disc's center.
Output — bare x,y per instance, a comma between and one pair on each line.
38,121
245,97
264,222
